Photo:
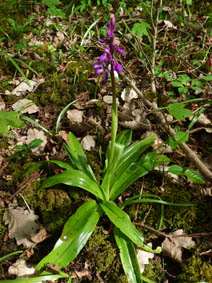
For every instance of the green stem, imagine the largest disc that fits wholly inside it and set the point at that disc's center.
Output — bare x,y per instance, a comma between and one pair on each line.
114,117
114,129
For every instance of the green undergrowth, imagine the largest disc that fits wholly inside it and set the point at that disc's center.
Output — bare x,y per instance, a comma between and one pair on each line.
196,269
104,255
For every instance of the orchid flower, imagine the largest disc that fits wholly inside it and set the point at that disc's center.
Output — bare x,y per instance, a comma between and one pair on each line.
106,62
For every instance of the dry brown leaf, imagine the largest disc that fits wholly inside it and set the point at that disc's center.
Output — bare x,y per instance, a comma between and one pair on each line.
33,134
27,106
143,258
75,116
20,269
173,247
22,225
88,142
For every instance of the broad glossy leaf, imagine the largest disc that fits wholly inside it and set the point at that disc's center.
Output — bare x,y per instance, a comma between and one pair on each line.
86,215
76,232
122,220
78,156
74,178
130,175
130,155
77,153
124,137
118,151
128,257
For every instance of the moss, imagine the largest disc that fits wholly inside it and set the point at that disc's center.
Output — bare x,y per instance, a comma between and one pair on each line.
18,170
54,205
96,164
194,270
102,253
2,227
154,270
178,217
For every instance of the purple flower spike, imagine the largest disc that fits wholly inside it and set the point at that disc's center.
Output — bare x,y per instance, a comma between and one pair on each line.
106,62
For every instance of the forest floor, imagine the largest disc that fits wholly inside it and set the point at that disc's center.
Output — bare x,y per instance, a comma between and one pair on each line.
53,48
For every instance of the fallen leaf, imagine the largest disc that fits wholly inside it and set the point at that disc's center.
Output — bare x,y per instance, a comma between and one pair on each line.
23,87
22,225
33,134
143,258
26,105
88,142
75,116
173,247
169,24
40,236
128,94
20,269
2,103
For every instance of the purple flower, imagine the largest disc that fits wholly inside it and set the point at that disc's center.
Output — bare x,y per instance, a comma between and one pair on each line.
106,62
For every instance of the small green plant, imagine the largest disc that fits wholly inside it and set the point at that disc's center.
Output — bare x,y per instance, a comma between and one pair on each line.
9,119
124,164
25,150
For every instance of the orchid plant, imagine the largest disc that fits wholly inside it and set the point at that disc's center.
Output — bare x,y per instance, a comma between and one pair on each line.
124,164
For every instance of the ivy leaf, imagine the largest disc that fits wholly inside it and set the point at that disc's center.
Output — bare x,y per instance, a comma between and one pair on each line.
181,136
140,29
178,111
194,176
9,118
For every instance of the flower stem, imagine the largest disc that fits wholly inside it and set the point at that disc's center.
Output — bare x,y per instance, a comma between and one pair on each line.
114,129
114,117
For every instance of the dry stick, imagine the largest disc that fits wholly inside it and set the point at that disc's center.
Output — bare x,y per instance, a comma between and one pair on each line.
191,155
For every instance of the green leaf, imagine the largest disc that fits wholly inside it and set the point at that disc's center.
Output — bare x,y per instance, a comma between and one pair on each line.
176,169
49,277
12,60
178,111
122,220
183,89
74,178
134,171
128,257
125,137
60,116
197,88
184,78
181,136
10,254
172,143
76,232
194,176
130,155
196,62
140,29
207,78
34,143
51,3
176,84
78,156
9,118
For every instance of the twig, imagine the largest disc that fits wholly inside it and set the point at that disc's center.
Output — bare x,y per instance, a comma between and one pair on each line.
191,155
153,230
